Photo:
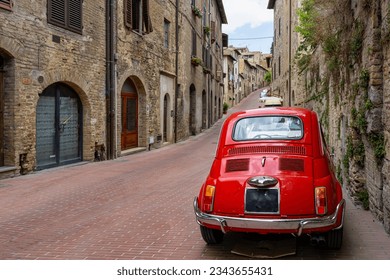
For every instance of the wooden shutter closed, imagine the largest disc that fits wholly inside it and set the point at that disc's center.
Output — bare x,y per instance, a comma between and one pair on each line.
56,13
75,15
128,13
193,43
66,14
213,35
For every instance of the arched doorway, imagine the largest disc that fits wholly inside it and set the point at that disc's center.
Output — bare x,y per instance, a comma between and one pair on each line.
58,126
129,134
192,120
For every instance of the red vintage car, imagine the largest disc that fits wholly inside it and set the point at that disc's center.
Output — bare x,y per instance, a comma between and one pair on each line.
272,173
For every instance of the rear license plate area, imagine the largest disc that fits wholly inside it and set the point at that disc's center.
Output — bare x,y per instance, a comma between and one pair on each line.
262,200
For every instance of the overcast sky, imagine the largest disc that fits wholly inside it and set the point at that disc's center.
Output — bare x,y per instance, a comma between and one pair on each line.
249,19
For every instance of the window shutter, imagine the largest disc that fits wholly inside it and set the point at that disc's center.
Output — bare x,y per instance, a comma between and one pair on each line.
56,13
146,16
128,13
7,2
193,43
213,31
75,15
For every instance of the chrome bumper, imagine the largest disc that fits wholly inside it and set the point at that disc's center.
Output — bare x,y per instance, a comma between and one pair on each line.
294,225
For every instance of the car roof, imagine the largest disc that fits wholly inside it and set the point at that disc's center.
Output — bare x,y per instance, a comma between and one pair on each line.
308,117
295,111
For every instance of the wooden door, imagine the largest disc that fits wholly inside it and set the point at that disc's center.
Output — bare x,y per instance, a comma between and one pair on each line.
129,137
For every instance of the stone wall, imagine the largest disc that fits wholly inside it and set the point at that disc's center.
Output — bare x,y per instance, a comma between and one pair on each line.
39,54
347,83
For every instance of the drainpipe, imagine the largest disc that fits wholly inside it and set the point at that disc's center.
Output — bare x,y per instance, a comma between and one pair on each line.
176,64
110,80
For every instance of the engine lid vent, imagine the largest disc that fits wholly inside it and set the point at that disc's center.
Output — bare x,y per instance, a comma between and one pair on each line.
291,164
237,165
292,150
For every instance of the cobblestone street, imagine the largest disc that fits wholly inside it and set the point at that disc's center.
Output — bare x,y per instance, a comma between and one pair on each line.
140,207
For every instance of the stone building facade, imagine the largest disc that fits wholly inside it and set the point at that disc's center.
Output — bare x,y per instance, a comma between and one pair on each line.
232,94
285,83
347,83
52,83
244,72
99,79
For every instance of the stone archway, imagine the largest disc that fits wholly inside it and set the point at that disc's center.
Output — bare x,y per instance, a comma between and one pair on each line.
129,115
59,120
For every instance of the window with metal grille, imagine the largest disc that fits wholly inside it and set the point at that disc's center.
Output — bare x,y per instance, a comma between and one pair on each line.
137,16
66,14
6,4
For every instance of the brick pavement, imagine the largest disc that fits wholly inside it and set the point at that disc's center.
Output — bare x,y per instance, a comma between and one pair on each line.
140,207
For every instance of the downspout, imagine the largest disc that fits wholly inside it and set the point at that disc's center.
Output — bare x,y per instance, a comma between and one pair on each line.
176,64
110,80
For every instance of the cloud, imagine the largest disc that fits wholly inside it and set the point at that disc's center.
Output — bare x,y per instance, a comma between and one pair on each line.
243,12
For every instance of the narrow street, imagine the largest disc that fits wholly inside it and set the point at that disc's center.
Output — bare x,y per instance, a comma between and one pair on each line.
140,207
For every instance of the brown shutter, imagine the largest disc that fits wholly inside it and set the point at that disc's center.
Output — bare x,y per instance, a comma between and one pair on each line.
193,43
146,16
56,12
128,13
212,31
75,9
7,2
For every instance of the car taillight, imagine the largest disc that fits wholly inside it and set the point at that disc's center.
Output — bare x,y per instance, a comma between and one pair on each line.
320,200
208,201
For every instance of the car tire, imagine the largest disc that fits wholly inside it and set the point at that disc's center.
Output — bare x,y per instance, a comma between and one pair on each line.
334,239
211,236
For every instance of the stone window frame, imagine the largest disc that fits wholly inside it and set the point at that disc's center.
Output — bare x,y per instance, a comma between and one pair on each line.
6,4
69,16
137,16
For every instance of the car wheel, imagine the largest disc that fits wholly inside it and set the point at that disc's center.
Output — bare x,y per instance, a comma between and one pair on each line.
211,236
334,238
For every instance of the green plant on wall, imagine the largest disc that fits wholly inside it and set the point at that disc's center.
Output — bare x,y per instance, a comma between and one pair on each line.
356,42
268,77
348,153
364,199
364,79
377,142
307,26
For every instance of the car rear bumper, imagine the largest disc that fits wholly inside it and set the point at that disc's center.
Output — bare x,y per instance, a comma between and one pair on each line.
296,226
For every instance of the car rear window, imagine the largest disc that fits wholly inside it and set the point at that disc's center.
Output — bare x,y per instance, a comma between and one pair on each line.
268,128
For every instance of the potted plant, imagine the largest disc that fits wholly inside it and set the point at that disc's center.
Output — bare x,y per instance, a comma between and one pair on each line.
206,30
196,11
196,61
225,107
